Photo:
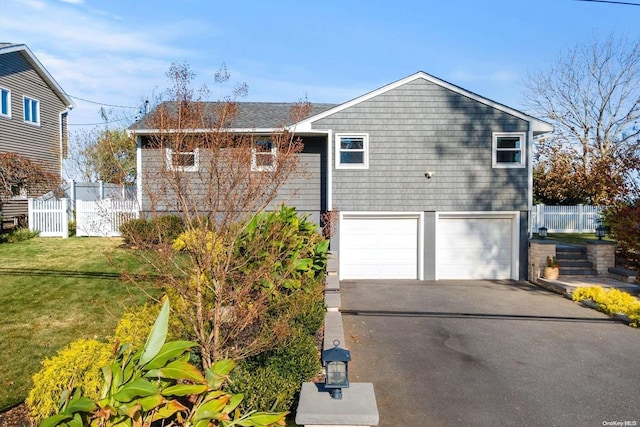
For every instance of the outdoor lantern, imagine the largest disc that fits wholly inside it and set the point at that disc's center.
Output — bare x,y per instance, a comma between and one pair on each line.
600,231
542,232
336,362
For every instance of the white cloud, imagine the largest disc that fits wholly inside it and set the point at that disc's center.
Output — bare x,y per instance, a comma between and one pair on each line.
35,4
93,54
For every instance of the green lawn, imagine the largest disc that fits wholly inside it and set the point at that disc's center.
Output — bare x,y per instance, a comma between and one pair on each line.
54,291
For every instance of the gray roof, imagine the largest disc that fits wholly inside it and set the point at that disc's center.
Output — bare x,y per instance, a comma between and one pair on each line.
251,115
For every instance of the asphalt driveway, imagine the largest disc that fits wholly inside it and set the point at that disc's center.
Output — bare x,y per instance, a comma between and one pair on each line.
489,354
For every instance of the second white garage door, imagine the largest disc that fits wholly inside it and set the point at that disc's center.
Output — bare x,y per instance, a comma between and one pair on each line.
480,247
379,247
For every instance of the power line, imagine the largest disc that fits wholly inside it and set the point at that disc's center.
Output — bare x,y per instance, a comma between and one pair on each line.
626,3
102,104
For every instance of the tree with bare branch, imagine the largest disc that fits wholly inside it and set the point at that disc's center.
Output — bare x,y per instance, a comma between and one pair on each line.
592,97
217,181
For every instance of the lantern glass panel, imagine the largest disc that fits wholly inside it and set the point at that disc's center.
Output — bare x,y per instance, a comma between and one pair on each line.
337,374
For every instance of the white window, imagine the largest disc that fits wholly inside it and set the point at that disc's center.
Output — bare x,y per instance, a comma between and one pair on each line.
508,150
5,102
263,155
184,161
352,151
31,110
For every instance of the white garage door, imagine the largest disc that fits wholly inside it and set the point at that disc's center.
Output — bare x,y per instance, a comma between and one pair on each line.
379,247
475,247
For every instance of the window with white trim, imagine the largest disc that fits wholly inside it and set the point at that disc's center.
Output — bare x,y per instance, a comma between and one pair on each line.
31,111
5,102
508,150
183,161
263,155
352,151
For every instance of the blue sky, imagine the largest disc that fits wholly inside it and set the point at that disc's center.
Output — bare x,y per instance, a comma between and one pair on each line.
116,52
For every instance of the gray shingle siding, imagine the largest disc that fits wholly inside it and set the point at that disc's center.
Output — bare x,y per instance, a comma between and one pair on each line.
41,143
305,190
420,127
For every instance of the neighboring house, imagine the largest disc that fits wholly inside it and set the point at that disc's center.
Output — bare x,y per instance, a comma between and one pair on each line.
430,181
33,118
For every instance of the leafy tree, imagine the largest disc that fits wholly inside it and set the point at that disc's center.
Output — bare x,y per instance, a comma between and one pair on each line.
113,157
591,96
103,154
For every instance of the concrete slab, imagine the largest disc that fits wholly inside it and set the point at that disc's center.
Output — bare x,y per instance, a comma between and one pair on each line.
332,301
356,408
566,285
333,329
332,284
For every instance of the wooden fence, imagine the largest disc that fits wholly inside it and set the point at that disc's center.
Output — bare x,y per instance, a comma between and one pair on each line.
49,217
566,219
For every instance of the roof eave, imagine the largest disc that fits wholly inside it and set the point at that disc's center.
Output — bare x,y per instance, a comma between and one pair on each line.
538,126
37,65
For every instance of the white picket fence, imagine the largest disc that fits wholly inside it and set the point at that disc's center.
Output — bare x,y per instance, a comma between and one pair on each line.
49,217
103,217
93,218
566,219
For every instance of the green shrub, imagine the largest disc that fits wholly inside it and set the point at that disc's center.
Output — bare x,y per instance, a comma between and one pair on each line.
310,310
19,235
137,232
293,247
271,380
611,301
72,228
167,228
157,385
146,233
76,366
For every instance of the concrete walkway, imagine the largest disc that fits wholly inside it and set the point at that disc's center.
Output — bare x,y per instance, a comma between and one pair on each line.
566,286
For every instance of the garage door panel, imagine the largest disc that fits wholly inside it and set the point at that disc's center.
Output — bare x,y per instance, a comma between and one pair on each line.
474,248
378,248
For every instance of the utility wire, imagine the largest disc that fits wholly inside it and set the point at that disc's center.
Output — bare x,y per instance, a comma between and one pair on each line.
102,104
626,3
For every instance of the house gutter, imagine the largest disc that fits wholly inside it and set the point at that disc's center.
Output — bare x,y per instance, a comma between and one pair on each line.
530,179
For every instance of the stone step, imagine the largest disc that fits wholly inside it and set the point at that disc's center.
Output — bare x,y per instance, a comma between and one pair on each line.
577,271
583,263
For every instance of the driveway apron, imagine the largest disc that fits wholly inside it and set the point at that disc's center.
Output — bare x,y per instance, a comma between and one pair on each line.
487,353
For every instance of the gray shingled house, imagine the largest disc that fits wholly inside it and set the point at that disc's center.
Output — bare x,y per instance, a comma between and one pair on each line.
33,117
428,180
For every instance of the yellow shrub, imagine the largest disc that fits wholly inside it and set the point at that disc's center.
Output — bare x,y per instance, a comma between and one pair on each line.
135,325
80,363
77,365
611,301
199,240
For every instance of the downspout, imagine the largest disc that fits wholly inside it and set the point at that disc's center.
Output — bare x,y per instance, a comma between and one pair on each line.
139,173
63,127
329,170
530,179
